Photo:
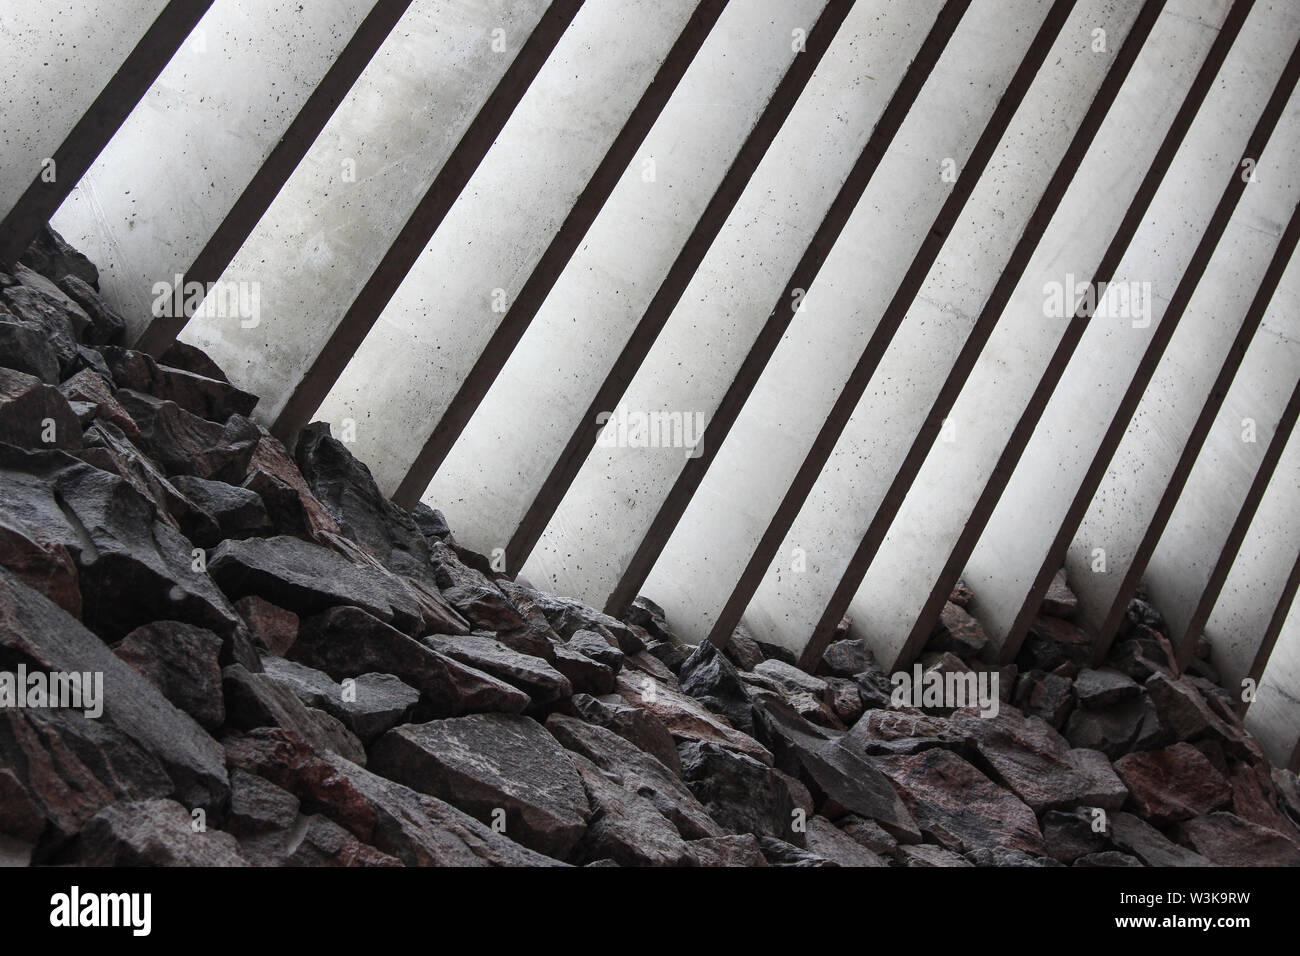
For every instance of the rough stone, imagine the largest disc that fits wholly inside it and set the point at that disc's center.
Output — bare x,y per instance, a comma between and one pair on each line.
584,674
1173,784
239,513
780,853
1099,689
307,579
638,772
1059,601
1225,839
182,661
740,849
713,680
34,414
841,780
626,827
957,631
88,386
258,806
958,806
347,642
1116,730
686,718
208,398
313,840
36,631
417,829
633,724
1070,834
831,843
256,700
538,679
488,763
154,832
743,795
270,627
1139,838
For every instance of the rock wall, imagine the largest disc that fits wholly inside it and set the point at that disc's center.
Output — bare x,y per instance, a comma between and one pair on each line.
297,672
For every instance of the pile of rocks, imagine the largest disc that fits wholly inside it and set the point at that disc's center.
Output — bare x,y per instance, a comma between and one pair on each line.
297,672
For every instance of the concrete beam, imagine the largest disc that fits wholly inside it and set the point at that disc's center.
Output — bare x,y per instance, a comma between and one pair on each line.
744,291
211,261
1020,367
531,433
774,452
895,415
1200,541
394,154
630,142
1149,470
162,186
1274,715
1239,631
573,133
72,73
1029,531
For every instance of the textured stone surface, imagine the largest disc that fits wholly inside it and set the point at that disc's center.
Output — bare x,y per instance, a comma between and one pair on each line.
958,806
743,795
532,675
633,724
417,829
625,827
153,833
347,642
1227,840
1174,783
494,767
33,629
637,771
182,661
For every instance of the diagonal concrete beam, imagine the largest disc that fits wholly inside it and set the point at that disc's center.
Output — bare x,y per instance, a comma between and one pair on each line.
1273,716
775,453
733,401
104,82
983,477
808,182
1190,564
1240,628
1040,362
895,420
342,233
547,270
1130,509
215,255
1007,532
615,295
161,187
573,132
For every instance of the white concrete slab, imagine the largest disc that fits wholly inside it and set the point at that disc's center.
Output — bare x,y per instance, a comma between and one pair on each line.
709,549
1121,512
852,486
1274,717
164,183
619,489
59,56
336,216
458,291
499,464
1199,526
1034,503
1258,577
